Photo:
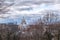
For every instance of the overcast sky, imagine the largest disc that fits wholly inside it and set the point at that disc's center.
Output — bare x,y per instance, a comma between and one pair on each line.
27,7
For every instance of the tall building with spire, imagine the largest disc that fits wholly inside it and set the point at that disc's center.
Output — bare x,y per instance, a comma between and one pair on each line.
23,24
23,21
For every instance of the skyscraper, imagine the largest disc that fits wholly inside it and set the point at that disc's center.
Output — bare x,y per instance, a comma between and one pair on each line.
23,24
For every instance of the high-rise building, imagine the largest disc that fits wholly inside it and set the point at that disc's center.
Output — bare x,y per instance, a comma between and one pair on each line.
23,24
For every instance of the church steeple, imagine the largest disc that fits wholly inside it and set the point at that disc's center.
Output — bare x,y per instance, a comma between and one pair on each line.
23,24
23,21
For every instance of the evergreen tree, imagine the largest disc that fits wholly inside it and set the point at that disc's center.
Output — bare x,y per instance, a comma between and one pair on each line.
15,37
58,34
48,35
8,36
0,37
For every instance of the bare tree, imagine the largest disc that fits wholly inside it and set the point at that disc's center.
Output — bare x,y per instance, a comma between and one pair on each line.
4,6
50,16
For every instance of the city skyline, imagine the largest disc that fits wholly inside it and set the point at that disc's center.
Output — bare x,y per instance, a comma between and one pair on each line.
27,7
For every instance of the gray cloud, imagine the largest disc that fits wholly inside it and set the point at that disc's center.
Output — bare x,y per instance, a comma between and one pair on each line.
36,2
21,3
24,9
